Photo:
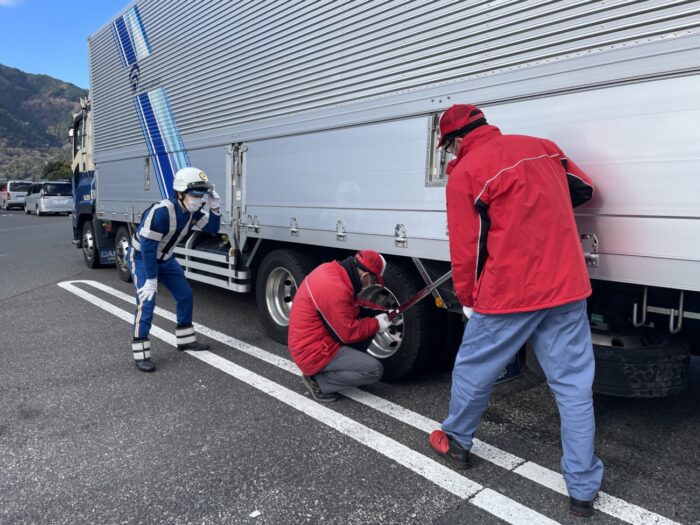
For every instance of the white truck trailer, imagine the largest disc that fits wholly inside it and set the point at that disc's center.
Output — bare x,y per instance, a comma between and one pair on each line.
317,122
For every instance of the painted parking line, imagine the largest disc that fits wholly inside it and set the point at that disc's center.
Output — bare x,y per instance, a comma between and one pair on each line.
487,499
611,505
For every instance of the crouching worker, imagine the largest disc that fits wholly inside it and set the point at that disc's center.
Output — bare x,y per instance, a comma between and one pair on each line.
151,259
329,330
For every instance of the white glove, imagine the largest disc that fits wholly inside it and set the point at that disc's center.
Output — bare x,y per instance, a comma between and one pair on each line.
383,322
214,200
467,311
148,290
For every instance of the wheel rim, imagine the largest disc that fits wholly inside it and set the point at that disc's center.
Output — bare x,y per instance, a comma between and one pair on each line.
387,344
279,292
88,244
122,246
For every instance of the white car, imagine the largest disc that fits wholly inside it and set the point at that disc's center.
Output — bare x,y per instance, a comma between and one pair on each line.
49,197
13,192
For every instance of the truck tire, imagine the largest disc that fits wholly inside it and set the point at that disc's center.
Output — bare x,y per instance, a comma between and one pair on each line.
37,212
279,275
532,363
454,325
657,369
405,349
122,241
89,243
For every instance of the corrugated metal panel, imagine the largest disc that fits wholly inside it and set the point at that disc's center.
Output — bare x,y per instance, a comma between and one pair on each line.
225,63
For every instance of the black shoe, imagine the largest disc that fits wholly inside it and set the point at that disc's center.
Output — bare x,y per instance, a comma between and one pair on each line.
142,355
315,390
195,346
456,455
580,507
145,365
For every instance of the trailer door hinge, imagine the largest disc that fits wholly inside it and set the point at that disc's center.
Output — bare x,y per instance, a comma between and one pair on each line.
400,239
589,242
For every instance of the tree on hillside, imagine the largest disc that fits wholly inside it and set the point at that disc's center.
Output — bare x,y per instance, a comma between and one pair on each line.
56,169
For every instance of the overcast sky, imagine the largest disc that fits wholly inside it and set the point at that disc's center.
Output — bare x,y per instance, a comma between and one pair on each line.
50,36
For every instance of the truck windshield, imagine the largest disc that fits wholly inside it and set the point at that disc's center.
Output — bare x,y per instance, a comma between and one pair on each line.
19,186
57,188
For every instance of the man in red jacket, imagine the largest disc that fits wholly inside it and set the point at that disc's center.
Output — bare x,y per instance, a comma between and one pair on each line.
520,274
329,329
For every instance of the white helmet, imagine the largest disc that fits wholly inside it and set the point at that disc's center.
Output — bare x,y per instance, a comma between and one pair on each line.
191,179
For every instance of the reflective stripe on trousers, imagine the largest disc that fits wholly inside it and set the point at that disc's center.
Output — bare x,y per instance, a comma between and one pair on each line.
170,275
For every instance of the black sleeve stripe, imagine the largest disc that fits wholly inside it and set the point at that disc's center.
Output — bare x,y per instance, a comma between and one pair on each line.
482,253
579,191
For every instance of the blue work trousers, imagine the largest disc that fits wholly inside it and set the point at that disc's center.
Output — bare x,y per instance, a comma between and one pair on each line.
561,339
171,275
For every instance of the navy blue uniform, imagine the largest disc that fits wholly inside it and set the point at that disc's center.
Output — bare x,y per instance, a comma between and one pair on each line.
162,227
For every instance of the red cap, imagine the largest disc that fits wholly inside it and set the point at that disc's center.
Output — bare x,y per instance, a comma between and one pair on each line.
456,118
372,262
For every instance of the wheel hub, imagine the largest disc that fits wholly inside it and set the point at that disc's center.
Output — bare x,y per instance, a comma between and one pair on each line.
122,247
387,344
279,293
88,244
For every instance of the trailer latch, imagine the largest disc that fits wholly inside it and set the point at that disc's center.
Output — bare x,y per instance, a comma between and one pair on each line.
252,224
589,242
400,240
340,233
294,227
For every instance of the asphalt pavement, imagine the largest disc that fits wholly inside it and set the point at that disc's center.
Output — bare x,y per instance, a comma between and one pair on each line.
231,436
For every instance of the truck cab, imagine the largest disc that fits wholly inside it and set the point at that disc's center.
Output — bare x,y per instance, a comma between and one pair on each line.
95,251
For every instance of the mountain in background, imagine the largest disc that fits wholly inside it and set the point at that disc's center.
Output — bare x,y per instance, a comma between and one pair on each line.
35,114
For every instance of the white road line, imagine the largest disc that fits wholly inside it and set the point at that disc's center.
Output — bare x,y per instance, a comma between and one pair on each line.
618,508
609,504
444,477
483,450
493,502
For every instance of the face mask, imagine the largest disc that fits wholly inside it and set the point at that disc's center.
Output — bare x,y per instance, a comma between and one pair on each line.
193,204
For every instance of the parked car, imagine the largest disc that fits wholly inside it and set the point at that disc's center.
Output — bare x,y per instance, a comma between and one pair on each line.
12,193
49,197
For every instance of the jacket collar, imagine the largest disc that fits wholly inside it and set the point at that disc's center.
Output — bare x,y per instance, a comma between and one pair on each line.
350,267
477,137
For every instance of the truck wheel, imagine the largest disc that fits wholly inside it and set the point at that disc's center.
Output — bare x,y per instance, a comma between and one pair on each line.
37,212
453,334
405,348
279,276
92,259
655,368
121,244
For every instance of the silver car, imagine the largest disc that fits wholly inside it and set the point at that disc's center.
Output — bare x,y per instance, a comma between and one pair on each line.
49,197
12,193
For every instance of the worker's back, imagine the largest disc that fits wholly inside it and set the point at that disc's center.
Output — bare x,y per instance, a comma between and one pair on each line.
527,250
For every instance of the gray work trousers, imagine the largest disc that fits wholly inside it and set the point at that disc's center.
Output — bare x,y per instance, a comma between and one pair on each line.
349,368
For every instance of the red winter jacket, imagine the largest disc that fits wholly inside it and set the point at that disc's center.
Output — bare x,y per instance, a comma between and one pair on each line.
514,244
327,291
